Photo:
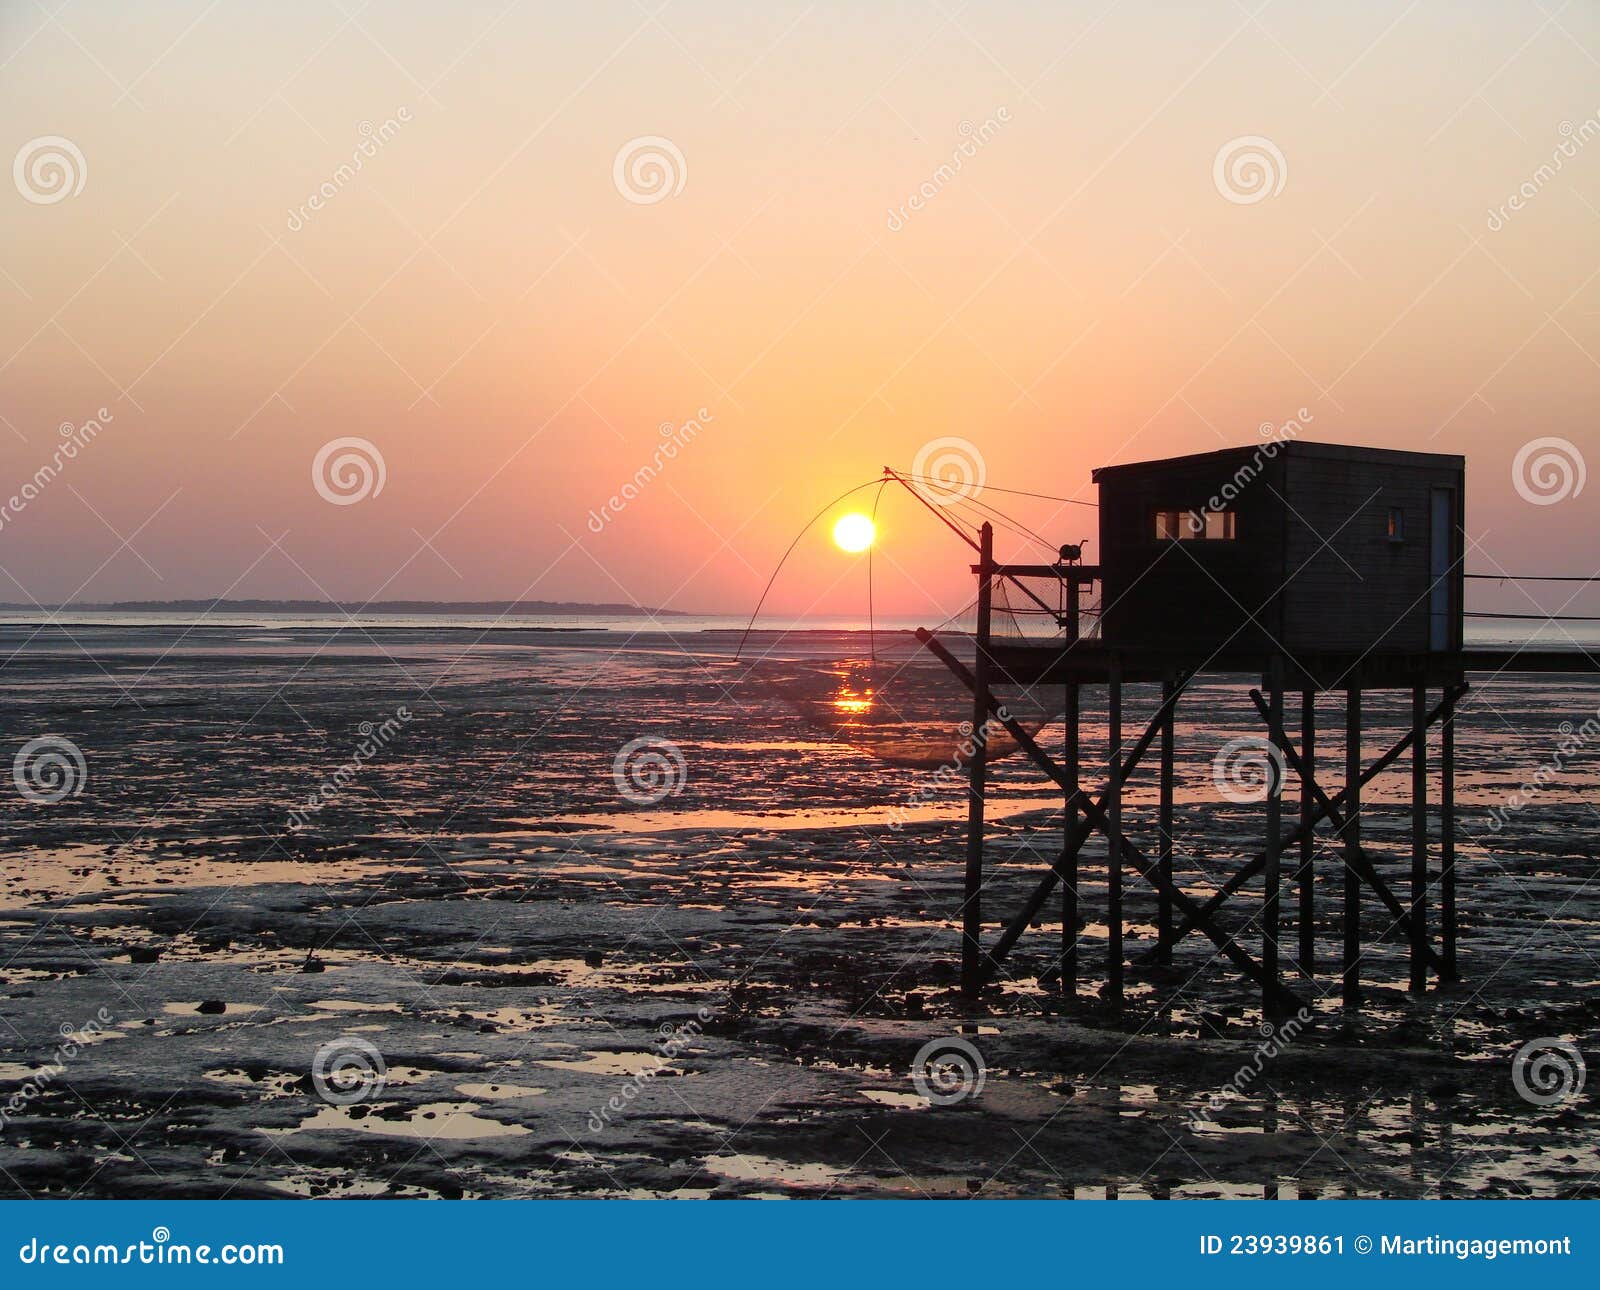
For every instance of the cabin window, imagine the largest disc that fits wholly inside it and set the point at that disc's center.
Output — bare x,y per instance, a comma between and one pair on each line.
1397,524
1191,526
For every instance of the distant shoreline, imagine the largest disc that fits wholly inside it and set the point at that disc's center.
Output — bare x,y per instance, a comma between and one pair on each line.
526,608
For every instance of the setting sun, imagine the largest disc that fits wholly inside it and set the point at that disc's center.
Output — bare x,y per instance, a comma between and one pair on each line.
854,532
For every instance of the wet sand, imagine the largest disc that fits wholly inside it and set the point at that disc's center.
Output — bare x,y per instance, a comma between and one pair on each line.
722,992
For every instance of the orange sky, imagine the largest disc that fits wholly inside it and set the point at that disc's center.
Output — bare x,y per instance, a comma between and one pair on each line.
483,303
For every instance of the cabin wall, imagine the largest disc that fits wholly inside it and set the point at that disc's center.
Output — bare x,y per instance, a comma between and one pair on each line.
1349,585
1192,595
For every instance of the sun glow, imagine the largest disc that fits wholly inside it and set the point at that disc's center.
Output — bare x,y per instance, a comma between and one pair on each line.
854,532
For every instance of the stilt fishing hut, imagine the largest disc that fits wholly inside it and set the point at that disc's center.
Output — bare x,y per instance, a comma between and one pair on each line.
1321,569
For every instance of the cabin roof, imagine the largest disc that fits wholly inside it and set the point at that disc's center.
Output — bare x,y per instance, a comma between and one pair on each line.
1293,448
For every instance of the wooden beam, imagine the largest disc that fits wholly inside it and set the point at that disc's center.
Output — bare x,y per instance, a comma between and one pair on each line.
1447,841
1420,948
1350,835
1114,781
1306,875
1094,818
1251,869
1164,827
1363,864
972,902
1271,896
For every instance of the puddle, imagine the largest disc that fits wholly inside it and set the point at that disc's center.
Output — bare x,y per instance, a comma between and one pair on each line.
446,1121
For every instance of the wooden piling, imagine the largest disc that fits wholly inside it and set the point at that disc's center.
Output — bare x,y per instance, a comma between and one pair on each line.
972,906
1419,840
1447,840
1308,838
1272,895
1069,863
1114,835
1164,826
1351,834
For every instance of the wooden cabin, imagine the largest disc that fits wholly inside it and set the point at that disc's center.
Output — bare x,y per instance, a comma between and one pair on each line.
1304,548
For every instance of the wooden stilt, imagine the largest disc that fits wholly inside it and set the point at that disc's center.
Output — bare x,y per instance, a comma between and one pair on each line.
1114,836
1069,853
1419,840
1447,840
1272,895
1308,837
972,906
1164,825
1351,836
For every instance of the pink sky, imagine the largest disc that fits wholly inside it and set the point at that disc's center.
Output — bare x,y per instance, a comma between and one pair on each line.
482,302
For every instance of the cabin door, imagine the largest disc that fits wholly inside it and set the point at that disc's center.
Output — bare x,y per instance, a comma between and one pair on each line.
1441,530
